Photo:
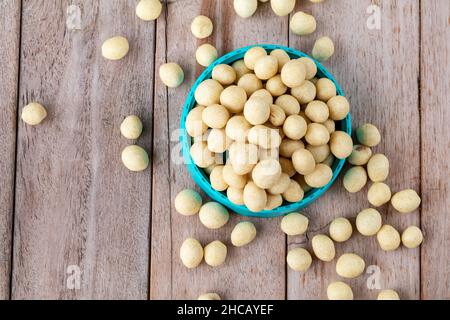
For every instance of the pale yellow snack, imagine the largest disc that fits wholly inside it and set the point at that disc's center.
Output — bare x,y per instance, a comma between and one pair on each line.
323,247
319,178
339,107
388,294
224,73
213,215
243,233
294,193
201,27
263,93
282,7
33,113
277,115
218,141
252,55
303,161
325,89
148,10
250,83
215,116
281,185
360,155
282,57
379,193
255,198
273,201
237,128
206,54
201,155
368,222
232,178
341,144
188,202
215,253
171,74
323,49
406,201
305,93
233,98
266,173
264,137
355,179
287,166
240,68
289,104
235,195
299,259
195,126
191,253
378,167
368,135
317,134
115,48
209,296
294,224
350,265
293,73
302,23
388,238
217,180
340,229
330,125
412,237
317,111
295,127
131,127
339,290
135,158
257,110
275,86
320,153
208,92
266,67
288,147
311,68
245,8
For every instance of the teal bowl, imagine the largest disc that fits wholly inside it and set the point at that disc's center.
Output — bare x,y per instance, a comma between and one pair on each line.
200,176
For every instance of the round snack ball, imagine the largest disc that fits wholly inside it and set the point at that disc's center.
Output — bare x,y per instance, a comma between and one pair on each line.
237,128
201,155
115,48
266,67
289,104
320,177
355,179
252,55
360,155
213,215
245,8
201,27
171,74
266,173
406,201
339,291
287,166
282,57
257,110
273,201
305,93
388,238
135,158
255,198
250,83
340,229
288,147
194,124
294,224
339,107
323,49
208,92
323,247
233,98
293,73
282,7
326,89
378,167
263,93
209,296
275,86
188,202
218,141
341,144
191,253
224,73
232,178
320,153
388,294
33,113
368,222
206,54
302,23
217,180
131,127
330,125
299,259
294,193
281,185
240,68
303,161
295,127
412,237
379,193
317,134
148,10
264,137
350,265
311,68
317,111
243,233
368,135
215,116
215,253
277,115
235,195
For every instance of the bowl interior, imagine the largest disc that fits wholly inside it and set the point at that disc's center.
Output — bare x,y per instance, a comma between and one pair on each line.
200,176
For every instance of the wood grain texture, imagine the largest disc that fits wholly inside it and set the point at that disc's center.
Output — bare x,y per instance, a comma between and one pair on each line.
9,77
378,70
252,272
76,204
435,103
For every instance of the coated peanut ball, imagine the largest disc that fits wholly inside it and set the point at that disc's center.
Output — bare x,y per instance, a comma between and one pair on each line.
135,158
320,177
208,92
235,195
360,155
213,215
257,110
323,247
245,8
266,67
194,124
282,57
250,83
206,54
350,265
215,116
216,179
378,167
273,201
215,253
288,147
302,23
368,135
148,10
243,233
368,222
277,115
295,127
209,296
339,107
240,68
263,93
232,178
317,134
266,173
299,259
339,291
305,93
388,238
294,193
341,144
115,48
325,89
311,68
224,73
317,111
171,74
303,161
233,98
323,49
379,193
293,73
255,198
287,166
406,201
201,27
320,153
253,55
289,104
282,7
412,237
188,202
191,253
237,128
340,229
218,141
33,113
131,127
281,185
275,86
294,224
388,294
355,179
201,155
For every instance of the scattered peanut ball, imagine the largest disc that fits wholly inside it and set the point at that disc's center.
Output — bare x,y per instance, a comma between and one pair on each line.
188,202
368,222
131,127
412,237
201,27
323,247
360,155
388,238
135,158
206,54
355,179
379,193
148,10
213,215
339,291
368,135
282,7
378,167
245,8
350,265
388,294
191,253
302,23
299,259
33,113
406,201
323,49
340,229
215,253
243,233
294,224
209,296
115,48
171,74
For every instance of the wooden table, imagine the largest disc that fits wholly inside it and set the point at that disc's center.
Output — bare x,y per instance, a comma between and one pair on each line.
70,211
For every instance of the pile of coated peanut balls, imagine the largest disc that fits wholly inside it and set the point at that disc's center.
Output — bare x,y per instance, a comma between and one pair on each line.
276,121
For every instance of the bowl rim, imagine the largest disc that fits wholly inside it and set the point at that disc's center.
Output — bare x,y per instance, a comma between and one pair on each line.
198,174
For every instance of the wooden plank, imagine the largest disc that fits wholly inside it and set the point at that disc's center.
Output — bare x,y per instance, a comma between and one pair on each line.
76,204
435,102
378,70
9,77
253,272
